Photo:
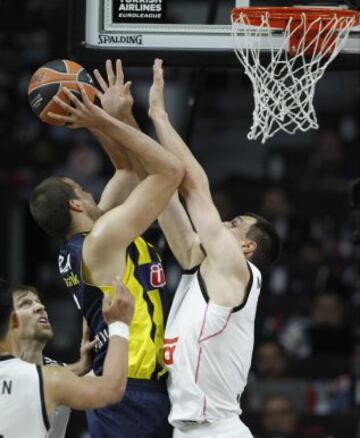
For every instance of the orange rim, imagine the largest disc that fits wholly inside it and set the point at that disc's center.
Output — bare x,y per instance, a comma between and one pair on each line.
279,16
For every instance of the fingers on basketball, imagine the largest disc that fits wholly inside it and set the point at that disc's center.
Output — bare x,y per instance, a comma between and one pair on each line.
73,98
63,104
63,118
85,98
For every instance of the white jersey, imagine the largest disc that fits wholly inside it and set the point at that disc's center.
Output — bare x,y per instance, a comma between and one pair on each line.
208,350
22,406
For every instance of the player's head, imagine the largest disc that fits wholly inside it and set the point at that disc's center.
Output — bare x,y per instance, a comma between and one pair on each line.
32,316
57,202
6,310
259,239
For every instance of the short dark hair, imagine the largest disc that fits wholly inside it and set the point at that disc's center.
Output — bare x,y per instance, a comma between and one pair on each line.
24,288
268,243
49,206
6,307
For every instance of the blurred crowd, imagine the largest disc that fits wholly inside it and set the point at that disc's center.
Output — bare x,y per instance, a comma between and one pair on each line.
305,378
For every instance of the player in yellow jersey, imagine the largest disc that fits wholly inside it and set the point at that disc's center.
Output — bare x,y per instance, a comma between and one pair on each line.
102,241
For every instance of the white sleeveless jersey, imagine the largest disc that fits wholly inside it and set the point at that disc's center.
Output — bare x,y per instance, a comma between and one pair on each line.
208,350
22,406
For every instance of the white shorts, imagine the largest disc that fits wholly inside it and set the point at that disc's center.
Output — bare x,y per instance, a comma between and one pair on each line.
231,427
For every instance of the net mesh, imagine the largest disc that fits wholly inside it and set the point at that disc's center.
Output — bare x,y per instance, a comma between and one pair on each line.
284,86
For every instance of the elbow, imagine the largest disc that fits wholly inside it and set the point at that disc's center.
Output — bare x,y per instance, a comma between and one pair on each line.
177,172
118,394
115,394
191,185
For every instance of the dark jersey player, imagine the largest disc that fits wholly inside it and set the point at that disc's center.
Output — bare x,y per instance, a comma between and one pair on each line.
101,242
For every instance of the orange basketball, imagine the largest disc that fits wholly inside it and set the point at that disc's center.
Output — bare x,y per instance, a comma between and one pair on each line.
48,81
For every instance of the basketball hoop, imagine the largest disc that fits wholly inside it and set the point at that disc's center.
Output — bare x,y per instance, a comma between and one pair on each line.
284,86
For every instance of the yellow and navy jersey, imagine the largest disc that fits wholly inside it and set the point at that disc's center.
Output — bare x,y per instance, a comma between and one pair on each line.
144,277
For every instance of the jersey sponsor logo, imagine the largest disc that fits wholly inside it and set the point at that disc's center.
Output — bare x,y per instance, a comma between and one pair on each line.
169,350
157,275
71,280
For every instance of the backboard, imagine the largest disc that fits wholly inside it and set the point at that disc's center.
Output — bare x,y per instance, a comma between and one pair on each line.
182,32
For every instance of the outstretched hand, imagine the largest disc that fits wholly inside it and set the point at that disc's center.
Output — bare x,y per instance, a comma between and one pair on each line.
81,114
115,97
156,94
85,361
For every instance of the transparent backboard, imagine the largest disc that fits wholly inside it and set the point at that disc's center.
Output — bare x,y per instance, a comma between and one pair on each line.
182,32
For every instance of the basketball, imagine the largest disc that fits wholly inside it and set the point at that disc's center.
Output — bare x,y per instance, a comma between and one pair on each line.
48,81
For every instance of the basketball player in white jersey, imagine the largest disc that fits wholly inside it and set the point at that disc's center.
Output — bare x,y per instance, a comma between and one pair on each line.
210,330
29,393
30,338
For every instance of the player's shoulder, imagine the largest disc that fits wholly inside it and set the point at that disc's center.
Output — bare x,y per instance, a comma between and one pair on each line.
14,362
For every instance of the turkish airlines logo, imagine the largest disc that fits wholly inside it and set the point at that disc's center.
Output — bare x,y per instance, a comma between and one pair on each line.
157,275
169,349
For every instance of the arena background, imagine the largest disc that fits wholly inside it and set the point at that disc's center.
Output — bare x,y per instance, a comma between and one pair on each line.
308,343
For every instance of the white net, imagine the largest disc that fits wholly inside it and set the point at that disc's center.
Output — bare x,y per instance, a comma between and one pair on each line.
284,81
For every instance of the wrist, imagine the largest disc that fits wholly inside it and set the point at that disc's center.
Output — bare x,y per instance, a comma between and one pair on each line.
119,328
157,114
104,121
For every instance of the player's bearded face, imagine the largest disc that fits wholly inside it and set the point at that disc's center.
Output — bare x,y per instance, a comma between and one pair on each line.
33,319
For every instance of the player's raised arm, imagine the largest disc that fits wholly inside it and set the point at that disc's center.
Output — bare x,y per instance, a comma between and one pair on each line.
169,138
62,387
223,250
116,99
124,223
174,221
